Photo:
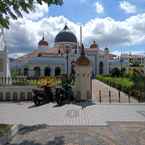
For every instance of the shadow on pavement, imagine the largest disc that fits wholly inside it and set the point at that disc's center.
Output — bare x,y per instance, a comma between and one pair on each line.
26,142
85,104
26,129
34,106
56,141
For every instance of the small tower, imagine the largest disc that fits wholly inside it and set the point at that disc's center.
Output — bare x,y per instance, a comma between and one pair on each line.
83,77
43,44
94,45
4,60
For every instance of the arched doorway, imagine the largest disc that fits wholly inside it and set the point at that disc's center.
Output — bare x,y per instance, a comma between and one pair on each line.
57,71
47,71
26,72
101,66
37,71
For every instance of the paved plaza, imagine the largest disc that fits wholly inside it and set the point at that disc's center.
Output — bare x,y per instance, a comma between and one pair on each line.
116,133
84,114
86,123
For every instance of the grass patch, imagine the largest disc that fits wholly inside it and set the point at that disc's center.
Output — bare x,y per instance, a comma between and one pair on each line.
121,83
4,129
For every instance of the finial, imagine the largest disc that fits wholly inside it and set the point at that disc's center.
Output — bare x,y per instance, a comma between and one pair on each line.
82,50
66,27
81,36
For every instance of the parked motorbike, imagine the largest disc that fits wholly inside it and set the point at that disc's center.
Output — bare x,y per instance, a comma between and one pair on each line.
43,96
64,93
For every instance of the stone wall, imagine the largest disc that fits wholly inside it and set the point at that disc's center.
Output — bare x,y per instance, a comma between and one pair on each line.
16,93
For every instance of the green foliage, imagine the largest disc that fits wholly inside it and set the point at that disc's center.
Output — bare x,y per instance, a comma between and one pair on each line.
115,72
118,82
14,8
4,129
134,80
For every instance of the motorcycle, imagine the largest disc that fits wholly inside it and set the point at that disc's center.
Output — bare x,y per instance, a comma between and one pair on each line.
64,93
44,95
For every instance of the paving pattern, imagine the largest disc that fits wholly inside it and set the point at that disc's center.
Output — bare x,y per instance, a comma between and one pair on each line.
83,114
98,85
116,133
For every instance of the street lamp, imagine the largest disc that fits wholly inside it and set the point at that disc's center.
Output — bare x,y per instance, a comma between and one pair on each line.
67,57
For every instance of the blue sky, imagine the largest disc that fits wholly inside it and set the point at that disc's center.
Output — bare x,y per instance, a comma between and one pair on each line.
83,10
112,23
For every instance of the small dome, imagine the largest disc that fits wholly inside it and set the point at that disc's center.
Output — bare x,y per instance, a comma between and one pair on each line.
106,50
65,36
83,60
43,42
94,45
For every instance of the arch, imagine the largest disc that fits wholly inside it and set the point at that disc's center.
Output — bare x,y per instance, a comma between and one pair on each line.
26,72
57,71
47,71
37,71
101,68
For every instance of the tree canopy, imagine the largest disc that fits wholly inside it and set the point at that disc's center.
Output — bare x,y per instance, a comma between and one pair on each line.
14,8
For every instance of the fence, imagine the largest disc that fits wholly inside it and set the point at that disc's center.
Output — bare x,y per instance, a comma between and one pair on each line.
119,97
16,93
17,89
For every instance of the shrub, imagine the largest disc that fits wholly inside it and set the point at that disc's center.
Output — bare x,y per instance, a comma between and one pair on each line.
115,72
120,83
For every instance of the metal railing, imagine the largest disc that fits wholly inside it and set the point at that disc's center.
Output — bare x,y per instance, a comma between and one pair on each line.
120,97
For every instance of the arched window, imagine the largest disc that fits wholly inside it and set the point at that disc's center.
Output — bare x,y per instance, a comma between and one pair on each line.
101,66
57,71
26,72
47,71
37,71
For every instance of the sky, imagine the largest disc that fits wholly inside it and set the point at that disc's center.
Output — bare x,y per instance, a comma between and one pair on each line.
116,24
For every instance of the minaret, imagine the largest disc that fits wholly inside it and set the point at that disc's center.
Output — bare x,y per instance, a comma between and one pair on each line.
83,75
4,60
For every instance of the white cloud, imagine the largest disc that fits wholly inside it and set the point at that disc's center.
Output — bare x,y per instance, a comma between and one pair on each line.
128,7
16,55
25,33
117,52
99,8
39,12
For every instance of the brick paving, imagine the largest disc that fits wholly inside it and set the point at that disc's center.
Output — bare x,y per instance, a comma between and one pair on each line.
98,85
116,133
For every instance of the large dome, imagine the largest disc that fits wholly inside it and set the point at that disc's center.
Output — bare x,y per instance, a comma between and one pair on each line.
65,36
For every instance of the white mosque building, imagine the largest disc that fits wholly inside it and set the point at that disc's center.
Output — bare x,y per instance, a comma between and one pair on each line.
61,58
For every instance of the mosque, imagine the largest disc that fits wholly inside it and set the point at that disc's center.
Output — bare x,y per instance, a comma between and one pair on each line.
61,58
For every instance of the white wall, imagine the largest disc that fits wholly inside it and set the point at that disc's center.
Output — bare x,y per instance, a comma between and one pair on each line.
7,93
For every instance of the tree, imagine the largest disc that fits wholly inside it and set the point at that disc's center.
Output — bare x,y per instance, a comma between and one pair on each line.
14,8
115,72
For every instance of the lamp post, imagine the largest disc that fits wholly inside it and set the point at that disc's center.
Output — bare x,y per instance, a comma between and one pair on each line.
67,57
121,60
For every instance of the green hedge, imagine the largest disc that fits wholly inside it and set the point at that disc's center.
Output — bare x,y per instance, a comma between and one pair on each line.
121,83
